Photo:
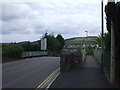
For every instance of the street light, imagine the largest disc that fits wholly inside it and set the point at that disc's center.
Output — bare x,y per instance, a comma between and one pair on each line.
86,33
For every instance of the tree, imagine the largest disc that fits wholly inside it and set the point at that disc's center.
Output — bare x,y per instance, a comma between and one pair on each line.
26,45
99,40
61,41
106,41
34,46
110,14
53,43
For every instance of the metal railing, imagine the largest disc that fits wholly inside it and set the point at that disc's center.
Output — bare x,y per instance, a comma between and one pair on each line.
34,53
106,59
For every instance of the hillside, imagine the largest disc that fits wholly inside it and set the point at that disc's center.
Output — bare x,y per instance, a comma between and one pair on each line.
78,40
81,38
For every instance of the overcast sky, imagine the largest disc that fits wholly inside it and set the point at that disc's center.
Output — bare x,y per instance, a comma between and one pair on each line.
28,21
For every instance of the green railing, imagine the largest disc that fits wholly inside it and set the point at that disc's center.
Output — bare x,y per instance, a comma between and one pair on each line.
34,53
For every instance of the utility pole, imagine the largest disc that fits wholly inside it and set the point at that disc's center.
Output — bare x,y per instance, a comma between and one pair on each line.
112,65
102,32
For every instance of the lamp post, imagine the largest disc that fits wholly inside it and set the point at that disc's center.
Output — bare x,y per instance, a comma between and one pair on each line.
84,38
86,33
112,66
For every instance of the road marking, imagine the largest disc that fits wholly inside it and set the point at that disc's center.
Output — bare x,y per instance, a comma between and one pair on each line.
46,80
53,80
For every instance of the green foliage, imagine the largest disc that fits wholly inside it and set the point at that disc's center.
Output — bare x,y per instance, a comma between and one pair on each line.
99,41
110,14
12,50
61,41
31,46
79,49
35,47
106,41
27,46
89,50
53,43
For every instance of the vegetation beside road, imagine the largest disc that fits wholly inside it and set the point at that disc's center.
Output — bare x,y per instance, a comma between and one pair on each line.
106,41
55,44
11,51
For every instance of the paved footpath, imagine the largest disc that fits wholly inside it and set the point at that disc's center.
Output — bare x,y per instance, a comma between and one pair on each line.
90,75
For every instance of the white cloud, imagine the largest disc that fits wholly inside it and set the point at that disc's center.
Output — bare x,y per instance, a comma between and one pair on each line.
68,17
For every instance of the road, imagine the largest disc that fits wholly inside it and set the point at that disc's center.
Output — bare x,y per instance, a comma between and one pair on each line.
28,73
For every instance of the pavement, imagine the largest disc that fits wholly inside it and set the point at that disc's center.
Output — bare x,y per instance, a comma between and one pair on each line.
89,75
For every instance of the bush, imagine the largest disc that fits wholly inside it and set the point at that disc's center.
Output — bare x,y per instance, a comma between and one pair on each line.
12,50
89,51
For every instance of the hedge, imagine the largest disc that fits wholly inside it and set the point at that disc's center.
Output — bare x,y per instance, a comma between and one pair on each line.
12,50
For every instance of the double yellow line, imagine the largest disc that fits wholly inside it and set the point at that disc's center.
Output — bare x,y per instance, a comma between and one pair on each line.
46,80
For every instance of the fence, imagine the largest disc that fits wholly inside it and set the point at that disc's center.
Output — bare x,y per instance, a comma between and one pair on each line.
106,59
34,53
97,53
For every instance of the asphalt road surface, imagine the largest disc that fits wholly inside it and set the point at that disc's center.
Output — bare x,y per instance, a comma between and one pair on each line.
89,75
28,73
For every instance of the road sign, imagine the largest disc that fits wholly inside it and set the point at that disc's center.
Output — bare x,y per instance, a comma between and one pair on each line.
43,44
